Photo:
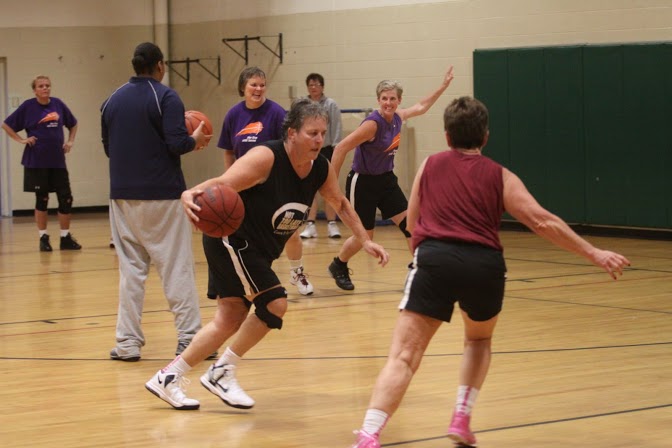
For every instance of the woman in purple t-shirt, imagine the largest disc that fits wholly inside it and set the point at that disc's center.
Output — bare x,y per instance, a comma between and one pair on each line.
43,119
256,120
372,183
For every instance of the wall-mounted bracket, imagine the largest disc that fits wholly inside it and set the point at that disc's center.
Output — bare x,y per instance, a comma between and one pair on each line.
189,61
246,52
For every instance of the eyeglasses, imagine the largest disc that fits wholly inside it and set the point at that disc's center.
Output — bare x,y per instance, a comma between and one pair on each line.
310,86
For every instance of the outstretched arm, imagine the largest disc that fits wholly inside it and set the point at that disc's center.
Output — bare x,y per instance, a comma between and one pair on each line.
522,206
427,102
332,194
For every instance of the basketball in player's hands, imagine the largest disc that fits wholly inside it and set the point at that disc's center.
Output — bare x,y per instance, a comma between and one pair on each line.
222,211
192,118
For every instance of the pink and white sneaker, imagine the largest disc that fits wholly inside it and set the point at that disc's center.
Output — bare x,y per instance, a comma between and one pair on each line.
366,440
459,431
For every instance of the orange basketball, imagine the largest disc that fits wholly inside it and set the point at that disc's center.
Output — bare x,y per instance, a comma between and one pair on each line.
222,211
192,118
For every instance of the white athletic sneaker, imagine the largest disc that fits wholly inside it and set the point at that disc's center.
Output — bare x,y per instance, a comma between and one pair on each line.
168,387
310,231
332,228
221,381
299,279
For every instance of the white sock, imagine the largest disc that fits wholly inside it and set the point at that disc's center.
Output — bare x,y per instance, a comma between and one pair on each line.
466,397
295,264
178,365
64,232
43,232
229,357
374,421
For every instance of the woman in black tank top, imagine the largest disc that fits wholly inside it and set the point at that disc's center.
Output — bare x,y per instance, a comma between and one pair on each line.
277,182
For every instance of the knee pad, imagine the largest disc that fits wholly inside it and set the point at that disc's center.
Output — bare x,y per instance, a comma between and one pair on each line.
41,200
261,307
64,201
402,227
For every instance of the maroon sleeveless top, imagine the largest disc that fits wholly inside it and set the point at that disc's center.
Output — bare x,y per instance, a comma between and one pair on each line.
461,199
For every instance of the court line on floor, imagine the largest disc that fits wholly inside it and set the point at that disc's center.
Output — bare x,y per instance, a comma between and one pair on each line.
382,356
540,423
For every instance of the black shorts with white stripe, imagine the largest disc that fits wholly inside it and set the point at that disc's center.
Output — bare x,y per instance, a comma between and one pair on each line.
236,268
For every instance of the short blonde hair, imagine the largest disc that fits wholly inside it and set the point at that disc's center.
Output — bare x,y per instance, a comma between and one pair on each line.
385,85
34,82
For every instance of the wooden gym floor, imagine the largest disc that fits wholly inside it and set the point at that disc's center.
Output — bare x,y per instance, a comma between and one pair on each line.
578,359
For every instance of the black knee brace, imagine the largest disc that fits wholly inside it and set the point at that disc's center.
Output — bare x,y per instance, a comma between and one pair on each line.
402,227
64,201
261,306
41,200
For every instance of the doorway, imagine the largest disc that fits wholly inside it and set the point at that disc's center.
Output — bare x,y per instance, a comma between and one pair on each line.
5,165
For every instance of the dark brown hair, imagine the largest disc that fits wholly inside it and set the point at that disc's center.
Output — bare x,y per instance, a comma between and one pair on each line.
466,122
145,58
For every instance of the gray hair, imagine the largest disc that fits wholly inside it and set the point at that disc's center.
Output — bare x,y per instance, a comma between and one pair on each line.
302,109
385,85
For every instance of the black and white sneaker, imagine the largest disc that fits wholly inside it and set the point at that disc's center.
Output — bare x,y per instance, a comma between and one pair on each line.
168,387
221,381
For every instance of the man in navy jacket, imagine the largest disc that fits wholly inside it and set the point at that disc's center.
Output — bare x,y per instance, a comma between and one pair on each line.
144,135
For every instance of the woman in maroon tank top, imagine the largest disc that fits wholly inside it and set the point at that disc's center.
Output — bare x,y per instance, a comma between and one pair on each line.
454,211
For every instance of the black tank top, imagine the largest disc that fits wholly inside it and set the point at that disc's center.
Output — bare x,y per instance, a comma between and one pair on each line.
276,208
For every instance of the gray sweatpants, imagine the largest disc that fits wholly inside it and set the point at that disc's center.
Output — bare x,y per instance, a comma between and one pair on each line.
158,232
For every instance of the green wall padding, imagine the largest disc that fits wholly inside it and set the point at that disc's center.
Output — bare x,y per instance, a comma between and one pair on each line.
563,134
526,119
606,169
647,107
492,85
585,127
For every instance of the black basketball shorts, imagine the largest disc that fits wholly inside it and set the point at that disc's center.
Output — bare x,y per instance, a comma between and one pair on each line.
367,192
49,180
447,272
236,269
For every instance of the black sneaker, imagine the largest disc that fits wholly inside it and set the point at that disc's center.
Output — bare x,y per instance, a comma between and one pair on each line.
182,346
341,273
45,245
69,243
114,355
